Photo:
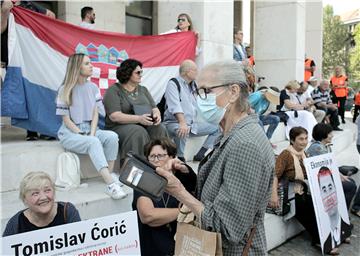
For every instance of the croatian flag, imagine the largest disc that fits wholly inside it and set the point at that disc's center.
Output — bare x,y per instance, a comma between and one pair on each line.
39,48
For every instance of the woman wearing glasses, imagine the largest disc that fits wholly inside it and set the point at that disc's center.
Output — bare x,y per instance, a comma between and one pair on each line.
157,219
234,180
184,24
131,111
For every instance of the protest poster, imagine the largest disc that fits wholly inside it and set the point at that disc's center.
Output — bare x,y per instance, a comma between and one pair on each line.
328,199
111,235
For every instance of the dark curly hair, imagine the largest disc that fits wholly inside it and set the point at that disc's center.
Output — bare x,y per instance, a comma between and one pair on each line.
321,131
165,143
124,72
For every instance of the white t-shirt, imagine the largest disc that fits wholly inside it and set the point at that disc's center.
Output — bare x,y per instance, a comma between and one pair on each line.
87,25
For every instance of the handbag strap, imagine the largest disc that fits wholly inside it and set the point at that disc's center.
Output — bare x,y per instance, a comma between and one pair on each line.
249,241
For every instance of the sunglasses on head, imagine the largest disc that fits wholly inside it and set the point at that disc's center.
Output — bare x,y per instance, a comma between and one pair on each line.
181,20
140,72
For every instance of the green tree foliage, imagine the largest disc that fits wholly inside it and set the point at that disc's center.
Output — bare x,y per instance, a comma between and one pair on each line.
355,55
334,42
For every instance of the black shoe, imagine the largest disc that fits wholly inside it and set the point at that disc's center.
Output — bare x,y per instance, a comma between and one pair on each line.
31,138
337,129
200,155
343,121
181,158
198,158
45,137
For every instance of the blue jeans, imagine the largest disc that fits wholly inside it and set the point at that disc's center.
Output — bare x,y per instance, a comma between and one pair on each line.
102,148
270,120
202,129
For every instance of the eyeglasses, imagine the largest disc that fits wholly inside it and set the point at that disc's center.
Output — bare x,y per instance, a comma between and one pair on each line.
203,92
140,72
181,20
159,157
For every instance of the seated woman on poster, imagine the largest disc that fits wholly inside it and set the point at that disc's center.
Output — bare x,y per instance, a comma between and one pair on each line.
157,219
290,164
37,191
321,144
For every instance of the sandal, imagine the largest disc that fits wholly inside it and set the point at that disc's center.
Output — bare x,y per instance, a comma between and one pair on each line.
356,213
334,251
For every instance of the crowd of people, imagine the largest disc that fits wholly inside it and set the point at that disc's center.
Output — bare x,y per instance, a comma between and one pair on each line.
237,176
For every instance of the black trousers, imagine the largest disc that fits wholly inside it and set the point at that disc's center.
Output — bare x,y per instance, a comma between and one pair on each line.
340,101
333,113
356,112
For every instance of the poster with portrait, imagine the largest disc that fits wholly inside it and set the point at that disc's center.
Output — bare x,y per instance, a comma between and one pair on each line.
329,201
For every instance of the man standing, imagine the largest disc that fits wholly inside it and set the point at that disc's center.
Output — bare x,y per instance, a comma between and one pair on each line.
309,69
339,83
239,52
322,100
180,116
87,17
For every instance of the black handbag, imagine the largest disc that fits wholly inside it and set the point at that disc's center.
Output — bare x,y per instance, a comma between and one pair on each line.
348,170
283,193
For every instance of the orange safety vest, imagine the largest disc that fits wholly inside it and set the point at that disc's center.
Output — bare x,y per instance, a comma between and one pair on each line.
339,81
308,73
357,99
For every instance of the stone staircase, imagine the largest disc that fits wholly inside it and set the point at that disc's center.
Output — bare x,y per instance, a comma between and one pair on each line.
19,157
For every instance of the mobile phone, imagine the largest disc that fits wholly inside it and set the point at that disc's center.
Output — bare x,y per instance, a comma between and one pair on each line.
140,175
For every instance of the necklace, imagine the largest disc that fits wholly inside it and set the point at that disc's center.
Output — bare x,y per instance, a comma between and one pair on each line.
167,200
132,94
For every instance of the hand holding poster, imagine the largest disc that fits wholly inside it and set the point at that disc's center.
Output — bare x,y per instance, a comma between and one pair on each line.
329,201
111,235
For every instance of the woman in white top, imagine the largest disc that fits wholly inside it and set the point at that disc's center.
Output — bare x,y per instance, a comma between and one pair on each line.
79,103
184,24
297,113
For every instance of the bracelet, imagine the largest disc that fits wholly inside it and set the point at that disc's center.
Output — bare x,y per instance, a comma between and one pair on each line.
82,133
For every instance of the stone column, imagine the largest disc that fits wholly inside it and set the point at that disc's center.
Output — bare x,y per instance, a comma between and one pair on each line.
279,41
314,33
110,15
213,20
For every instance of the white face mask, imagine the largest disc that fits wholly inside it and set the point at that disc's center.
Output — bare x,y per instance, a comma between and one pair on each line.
209,110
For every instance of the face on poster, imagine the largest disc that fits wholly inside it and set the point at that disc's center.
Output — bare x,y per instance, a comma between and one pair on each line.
111,235
328,199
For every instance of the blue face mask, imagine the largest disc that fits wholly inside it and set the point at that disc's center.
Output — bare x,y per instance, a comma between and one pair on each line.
208,109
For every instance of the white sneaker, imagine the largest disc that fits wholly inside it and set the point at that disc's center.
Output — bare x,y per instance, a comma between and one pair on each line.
115,191
115,177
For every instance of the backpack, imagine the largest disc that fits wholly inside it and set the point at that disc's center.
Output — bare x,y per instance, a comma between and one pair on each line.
162,106
68,172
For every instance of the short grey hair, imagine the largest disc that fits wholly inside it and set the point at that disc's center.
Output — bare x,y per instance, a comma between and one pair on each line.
34,180
231,72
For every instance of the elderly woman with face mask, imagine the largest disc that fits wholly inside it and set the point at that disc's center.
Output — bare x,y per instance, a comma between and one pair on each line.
37,191
234,180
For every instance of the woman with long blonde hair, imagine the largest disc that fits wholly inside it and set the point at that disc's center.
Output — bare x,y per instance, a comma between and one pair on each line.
79,103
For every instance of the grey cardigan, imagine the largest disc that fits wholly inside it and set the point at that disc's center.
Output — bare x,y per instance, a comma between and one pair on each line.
72,215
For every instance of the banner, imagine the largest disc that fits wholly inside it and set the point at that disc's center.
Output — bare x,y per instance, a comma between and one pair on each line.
39,48
111,235
328,199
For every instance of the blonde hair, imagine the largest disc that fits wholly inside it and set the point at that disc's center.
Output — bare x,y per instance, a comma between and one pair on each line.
34,180
71,77
293,84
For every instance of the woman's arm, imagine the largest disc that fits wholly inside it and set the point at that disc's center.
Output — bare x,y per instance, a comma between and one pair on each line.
291,105
274,201
154,217
70,124
121,118
94,121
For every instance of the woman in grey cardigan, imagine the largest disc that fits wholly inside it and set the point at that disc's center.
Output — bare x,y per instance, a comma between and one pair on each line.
37,191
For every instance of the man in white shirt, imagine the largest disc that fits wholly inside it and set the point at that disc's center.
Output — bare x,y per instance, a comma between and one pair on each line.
87,17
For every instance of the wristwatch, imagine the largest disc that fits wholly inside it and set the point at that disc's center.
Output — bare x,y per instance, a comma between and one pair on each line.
82,133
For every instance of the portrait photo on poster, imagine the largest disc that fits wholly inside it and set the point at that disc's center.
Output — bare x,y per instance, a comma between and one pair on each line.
329,201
